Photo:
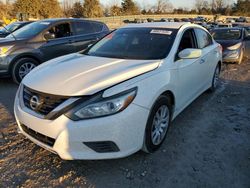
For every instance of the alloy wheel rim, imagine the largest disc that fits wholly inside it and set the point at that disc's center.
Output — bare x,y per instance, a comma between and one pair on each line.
160,125
25,69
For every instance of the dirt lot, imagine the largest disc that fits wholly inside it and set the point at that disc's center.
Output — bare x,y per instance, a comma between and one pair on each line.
208,145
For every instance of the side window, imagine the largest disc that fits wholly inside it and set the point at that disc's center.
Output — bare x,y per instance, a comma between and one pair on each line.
203,38
97,27
187,41
60,30
83,28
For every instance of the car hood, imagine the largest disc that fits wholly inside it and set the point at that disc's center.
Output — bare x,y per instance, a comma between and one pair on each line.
227,43
77,74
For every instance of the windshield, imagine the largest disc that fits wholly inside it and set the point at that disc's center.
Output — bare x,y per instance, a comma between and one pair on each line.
135,43
10,28
30,30
227,34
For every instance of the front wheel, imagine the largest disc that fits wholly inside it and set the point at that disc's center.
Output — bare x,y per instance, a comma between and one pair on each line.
157,125
22,67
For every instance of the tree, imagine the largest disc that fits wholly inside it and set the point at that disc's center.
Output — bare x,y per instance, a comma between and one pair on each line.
242,7
31,7
76,10
218,6
163,6
50,9
92,8
203,7
67,7
115,10
6,10
129,7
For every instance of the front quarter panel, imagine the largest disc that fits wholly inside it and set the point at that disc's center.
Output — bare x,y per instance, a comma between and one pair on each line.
150,86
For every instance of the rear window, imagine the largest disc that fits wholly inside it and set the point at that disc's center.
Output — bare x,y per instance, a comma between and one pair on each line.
84,28
226,34
135,43
97,27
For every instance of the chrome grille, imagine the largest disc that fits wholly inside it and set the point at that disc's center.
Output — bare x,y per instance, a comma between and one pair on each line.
47,102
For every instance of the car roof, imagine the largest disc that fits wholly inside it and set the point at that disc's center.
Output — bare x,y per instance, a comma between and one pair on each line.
53,20
169,25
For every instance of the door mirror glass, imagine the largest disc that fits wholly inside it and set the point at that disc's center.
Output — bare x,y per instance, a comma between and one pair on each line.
49,36
190,53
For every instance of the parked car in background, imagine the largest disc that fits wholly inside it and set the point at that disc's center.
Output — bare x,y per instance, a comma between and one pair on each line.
5,31
247,41
222,25
43,40
185,20
232,41
150,19
164,20
241,19
120,95
230,20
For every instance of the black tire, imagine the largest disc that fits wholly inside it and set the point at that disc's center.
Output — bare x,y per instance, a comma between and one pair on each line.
215,80
18,67
241,57
149,146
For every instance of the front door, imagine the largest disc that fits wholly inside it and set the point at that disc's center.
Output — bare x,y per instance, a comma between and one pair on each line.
191,72
61,44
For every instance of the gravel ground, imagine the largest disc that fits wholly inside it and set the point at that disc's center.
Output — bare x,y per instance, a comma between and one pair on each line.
208,145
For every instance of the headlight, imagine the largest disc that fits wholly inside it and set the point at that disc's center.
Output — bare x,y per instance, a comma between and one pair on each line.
100,106
235,47
4,49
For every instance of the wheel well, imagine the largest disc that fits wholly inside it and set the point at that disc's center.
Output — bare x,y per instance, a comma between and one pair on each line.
170,95
20,57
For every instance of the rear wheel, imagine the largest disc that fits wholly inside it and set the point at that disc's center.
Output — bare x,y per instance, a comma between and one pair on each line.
22,67
241,57
158,124
216,77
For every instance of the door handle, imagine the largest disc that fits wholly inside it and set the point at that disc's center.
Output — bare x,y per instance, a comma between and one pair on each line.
202,61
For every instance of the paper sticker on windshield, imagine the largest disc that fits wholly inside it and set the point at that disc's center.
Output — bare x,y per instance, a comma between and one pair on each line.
161,32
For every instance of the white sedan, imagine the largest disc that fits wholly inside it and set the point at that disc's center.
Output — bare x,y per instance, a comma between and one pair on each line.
119,95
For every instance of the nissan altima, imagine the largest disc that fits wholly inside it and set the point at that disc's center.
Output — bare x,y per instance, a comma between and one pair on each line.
120,95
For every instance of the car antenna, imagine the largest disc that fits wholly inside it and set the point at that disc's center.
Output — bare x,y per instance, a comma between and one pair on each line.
8,31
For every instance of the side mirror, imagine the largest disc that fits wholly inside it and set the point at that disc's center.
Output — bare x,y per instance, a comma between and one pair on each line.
190,53
49,36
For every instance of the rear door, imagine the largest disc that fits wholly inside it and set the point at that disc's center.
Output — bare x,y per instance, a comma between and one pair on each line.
62,44
210,54
85,34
